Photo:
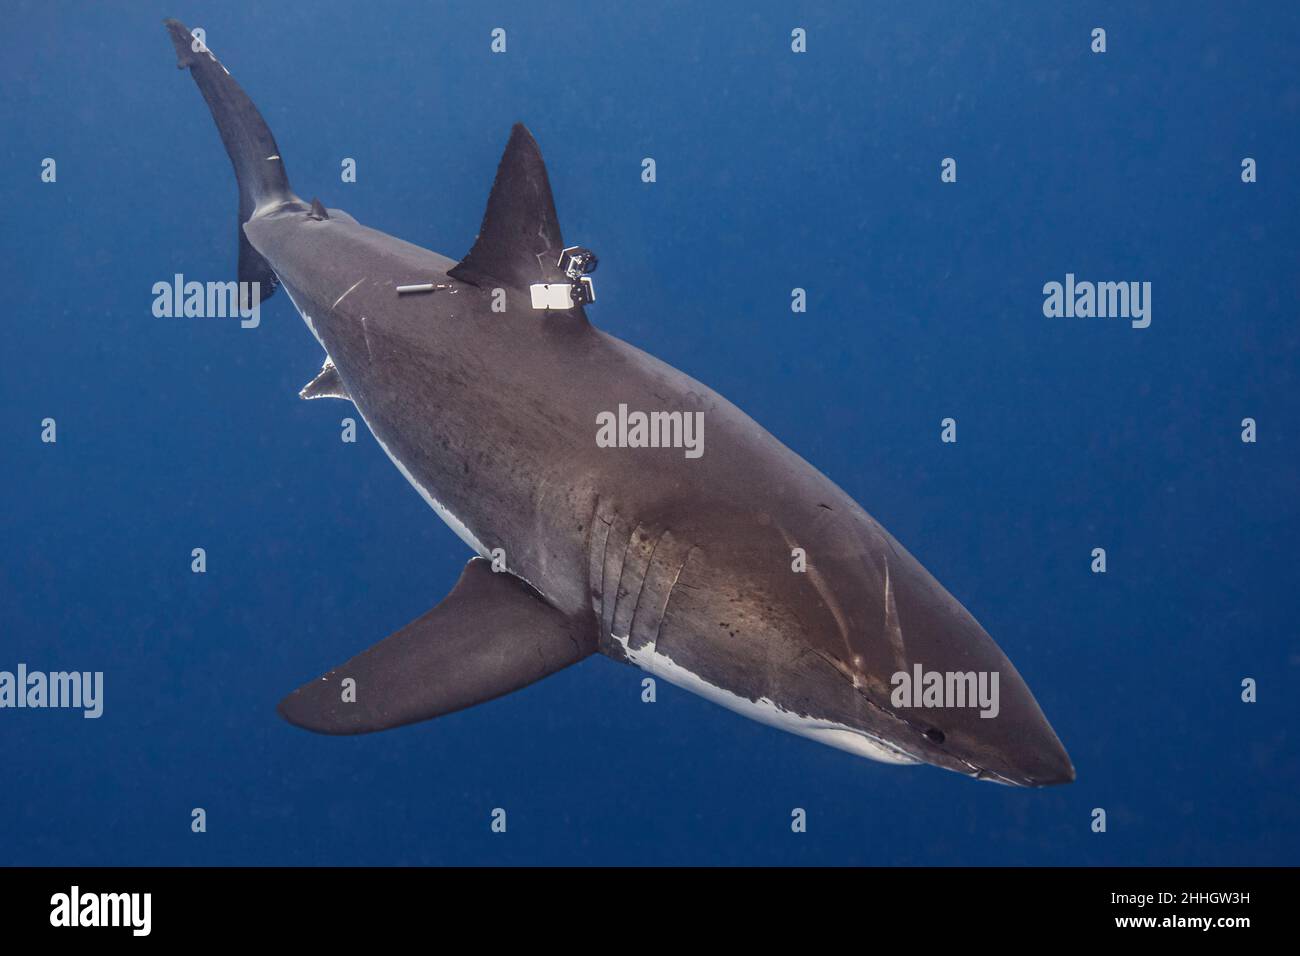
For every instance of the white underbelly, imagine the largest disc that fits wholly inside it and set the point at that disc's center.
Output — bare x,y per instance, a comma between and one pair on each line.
766,711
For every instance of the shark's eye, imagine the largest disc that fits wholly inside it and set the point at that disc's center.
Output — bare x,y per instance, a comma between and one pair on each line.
935,734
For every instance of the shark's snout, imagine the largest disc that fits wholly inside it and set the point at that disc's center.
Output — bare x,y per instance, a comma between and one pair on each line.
1030,755
966,704
1047,764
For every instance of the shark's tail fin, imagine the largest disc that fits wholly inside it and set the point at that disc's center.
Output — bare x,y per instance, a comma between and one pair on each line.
263,182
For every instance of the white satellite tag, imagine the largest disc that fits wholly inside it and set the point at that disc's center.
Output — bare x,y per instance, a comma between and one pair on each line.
553,295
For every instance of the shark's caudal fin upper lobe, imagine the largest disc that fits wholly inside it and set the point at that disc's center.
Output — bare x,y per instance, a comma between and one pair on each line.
249,143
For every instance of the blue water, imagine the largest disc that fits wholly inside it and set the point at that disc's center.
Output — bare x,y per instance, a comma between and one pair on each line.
775,171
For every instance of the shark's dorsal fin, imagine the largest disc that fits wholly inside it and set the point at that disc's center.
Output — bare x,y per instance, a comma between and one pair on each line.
326,384
318,211
519,242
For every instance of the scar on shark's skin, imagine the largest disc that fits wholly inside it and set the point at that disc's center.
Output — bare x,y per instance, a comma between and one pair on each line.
346,294
819,582
893,629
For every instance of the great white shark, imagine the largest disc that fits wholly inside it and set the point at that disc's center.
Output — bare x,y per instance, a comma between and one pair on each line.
742,574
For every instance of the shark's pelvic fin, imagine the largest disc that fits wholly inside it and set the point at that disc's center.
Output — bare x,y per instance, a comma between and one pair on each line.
326,384
318,211
519,243
491,635
253,152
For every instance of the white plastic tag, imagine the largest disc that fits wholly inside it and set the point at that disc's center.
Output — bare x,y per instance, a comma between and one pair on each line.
554,295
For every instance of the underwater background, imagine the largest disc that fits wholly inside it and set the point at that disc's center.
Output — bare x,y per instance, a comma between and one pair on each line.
775,170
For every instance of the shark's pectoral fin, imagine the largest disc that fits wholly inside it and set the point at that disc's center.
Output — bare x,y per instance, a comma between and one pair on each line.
326,384
491,635
519,243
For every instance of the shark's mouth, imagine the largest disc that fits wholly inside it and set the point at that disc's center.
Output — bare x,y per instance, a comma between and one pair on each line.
767,711
831,733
